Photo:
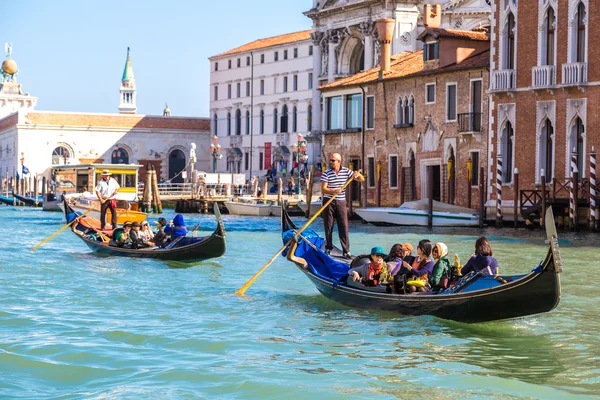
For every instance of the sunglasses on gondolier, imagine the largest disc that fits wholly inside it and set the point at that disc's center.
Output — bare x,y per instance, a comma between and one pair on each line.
332,160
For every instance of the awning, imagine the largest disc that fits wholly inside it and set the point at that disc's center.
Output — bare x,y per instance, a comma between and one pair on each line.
285,149
236,151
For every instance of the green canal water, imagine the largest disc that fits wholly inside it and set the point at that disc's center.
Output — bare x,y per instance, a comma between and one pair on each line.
74,325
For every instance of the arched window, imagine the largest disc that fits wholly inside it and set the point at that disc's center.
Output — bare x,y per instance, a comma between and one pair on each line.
228,124
406,111
60,156
399,111
507,152
509,48
238,122
580,36
284,119
119,156
275,117
295,119
309,118
546,161
550,25
577,133
215,125
411,107
247,122
261,122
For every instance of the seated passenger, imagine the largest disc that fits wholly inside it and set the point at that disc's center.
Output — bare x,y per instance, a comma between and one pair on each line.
441,269
482,260
421,267
145,232
123,237
370,274
160,236
176,228
398,253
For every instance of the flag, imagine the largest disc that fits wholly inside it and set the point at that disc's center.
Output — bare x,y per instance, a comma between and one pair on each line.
25,170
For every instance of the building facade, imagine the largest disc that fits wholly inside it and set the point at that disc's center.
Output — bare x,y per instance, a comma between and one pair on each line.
543,90
344,32
38,140
260,99
425,120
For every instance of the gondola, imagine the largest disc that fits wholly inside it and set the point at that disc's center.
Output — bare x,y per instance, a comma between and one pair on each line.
30,201
187,249
9,201
472,299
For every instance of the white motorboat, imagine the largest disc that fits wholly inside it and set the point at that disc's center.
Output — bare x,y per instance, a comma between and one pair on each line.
252,207
416,213
315,206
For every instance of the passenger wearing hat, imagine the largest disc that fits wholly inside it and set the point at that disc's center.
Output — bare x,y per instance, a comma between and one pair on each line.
136,238
123,237
145,232
106,190
160,236
370,274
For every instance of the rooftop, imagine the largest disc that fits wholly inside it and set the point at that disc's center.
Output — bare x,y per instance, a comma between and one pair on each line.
269,42
405,65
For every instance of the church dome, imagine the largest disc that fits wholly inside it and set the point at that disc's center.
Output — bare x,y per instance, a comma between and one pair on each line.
9,66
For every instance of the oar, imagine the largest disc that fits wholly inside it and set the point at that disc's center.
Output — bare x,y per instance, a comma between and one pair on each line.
58,231
241,291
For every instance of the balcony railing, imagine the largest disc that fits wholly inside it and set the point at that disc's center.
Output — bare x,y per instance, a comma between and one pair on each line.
574,73
504,79
235,141
543,76
469,122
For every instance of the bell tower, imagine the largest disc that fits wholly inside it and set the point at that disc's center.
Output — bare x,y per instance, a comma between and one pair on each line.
127,104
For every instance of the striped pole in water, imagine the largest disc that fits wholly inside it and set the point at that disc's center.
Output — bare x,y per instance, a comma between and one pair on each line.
572,191
499,191
593,210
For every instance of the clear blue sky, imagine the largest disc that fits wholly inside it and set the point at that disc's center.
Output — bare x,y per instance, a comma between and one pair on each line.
71,53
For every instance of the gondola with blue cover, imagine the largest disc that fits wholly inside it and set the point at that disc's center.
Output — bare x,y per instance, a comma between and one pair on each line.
474,298
186,249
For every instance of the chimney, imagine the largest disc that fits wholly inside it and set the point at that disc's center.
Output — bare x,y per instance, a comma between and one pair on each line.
385,30
432,15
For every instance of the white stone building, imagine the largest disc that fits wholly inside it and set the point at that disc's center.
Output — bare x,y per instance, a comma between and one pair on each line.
40,139
260,99
344,33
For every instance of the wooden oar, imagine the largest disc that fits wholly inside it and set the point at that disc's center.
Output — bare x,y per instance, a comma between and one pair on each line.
243,289
58,231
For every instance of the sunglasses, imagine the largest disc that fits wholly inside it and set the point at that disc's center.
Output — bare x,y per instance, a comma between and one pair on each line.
333,160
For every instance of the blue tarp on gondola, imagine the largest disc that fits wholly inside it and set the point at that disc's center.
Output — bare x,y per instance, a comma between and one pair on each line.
319,263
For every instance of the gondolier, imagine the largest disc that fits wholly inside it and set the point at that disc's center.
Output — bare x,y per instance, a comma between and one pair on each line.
332,182
106,190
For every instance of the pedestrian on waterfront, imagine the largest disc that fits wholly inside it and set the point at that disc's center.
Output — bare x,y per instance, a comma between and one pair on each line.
332,182
106,190
482,260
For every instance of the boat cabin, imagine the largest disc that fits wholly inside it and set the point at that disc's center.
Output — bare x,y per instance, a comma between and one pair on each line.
84,178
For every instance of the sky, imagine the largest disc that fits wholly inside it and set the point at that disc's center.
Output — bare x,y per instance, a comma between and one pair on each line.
71,53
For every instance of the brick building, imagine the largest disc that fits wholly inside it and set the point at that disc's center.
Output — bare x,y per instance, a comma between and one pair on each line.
423,109
543,93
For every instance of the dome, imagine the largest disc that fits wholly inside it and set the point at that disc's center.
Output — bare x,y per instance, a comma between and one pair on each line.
9,66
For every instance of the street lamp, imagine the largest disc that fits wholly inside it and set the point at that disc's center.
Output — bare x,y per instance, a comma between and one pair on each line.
215,151
299,150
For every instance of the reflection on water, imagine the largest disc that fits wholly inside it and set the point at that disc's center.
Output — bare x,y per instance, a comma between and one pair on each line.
76,324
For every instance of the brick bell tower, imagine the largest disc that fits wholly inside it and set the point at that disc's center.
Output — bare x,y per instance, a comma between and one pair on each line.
127,104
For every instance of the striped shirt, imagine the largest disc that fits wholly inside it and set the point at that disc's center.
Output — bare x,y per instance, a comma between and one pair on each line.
336,181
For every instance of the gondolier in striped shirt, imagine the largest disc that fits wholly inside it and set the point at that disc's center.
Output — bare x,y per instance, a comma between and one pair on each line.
332,182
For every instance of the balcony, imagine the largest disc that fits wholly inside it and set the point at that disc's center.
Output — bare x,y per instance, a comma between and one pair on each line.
282,138
235,141
469,123
574,73
504,79
543,76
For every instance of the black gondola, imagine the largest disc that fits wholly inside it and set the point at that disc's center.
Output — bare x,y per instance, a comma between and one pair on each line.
472,299
187,249
29,201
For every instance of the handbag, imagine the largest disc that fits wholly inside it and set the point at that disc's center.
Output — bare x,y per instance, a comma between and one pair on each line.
113,203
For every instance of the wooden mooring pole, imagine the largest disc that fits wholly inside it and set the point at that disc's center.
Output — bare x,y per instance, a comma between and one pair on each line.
481,198
309,189
469,177
593,210
430,195
516,199
543,214
499,191
573,192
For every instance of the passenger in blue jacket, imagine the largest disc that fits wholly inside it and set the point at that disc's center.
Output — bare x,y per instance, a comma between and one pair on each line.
177,227
482,260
